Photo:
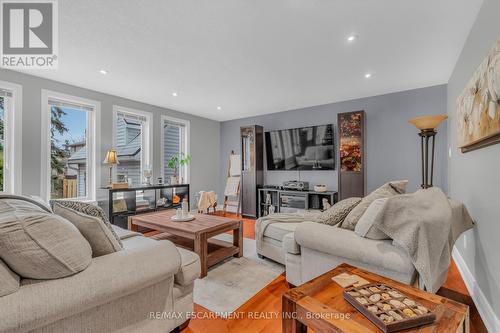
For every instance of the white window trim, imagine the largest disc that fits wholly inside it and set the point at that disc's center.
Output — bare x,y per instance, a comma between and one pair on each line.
93,140
187,143
13,134
147,136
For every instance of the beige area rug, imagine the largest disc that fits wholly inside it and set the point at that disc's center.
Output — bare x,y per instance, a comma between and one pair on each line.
234,281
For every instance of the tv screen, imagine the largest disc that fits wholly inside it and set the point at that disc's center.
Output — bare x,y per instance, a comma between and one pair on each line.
306,148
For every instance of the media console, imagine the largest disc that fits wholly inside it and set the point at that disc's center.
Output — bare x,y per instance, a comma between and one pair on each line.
290,201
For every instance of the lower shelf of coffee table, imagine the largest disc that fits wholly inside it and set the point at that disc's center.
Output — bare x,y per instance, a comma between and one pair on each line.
217,249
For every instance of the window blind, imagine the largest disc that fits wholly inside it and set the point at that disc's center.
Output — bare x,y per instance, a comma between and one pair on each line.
5,93
69,105
132,117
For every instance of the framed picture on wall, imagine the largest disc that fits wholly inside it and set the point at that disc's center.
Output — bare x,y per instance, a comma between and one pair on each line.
478,107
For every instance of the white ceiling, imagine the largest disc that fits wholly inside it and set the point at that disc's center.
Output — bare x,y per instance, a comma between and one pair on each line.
253,57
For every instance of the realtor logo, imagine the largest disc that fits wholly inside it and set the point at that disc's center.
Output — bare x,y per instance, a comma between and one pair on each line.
29,34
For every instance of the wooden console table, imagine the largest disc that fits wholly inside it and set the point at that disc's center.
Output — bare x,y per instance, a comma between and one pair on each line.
196,235
319,304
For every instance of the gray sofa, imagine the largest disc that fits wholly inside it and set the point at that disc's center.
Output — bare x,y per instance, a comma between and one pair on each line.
309,249
146,287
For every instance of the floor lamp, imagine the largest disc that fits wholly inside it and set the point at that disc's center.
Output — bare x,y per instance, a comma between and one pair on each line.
427,126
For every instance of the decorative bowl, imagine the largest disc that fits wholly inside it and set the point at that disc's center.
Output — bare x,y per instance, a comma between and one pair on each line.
320,188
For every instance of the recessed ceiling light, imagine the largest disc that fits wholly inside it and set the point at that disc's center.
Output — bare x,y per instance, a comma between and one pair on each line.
368,75
352,38
103,71
219,108
175,94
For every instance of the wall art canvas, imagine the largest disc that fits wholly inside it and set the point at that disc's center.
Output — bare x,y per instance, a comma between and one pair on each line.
478,106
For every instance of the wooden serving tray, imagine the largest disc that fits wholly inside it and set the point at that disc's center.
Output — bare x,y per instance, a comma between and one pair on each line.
356,295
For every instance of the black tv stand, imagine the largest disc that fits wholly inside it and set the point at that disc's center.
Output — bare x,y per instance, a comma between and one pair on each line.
287,201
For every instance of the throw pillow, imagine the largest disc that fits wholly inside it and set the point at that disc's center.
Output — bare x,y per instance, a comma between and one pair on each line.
88,209
365,227
101,239
9,281
37,201
338,212
39,245
387,190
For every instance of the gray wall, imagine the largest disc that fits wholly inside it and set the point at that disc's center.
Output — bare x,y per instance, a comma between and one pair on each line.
393,145
205,169
474,177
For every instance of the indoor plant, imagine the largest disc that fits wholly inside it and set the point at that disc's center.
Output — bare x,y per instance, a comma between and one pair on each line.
174,162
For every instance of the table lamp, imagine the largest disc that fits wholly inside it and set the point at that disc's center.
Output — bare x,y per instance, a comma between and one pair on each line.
111,160
427,126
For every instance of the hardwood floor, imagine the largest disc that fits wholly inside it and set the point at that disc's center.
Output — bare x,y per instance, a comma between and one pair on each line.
268,303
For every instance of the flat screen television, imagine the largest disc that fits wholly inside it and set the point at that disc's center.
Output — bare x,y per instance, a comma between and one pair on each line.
306,148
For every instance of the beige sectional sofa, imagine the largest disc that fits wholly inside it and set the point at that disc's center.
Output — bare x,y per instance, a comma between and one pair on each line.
145,287
309,249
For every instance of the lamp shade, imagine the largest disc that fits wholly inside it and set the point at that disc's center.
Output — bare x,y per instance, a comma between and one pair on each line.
111,157
428,122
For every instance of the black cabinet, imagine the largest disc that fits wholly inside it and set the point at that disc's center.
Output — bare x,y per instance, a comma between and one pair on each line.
287,201
252,167
352,148
125,202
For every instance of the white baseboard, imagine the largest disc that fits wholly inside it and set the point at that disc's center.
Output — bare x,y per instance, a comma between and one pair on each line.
483,306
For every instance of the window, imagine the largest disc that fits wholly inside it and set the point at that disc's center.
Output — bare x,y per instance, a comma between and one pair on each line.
70,167
175,142
132,141
10,137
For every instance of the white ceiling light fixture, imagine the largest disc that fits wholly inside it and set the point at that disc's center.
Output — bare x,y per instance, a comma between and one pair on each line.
219,108
103,71
352,38
175,94
368,75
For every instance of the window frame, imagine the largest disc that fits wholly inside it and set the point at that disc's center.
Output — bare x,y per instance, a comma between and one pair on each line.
147,136
93,139
13,133
187,144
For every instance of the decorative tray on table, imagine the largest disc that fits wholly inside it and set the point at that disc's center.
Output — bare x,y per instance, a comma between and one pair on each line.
388,308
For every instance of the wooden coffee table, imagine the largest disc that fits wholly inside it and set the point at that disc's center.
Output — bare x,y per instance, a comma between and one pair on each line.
196,234
320,305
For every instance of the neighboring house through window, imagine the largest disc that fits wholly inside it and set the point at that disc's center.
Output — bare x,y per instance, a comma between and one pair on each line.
175,141
132,133
71,137
10,137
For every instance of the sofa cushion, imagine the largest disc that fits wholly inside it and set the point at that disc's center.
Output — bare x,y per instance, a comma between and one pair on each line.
346,244
290,245
39,245
190,268
387,190
365,227
35,200
88,209
124,233
9,281
278,230
143,263
181,291
338,212
99,236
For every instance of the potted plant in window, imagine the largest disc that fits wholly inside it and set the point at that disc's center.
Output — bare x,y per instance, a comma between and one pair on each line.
174,163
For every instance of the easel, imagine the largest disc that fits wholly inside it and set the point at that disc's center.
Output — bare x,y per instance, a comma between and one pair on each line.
233,182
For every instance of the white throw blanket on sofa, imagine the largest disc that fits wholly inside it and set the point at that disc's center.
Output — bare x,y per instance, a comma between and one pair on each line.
426,225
